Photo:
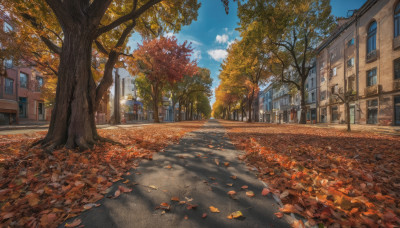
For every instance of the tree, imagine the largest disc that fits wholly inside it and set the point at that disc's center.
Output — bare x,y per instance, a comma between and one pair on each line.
292,30
163,61
183,91
246,66
82,23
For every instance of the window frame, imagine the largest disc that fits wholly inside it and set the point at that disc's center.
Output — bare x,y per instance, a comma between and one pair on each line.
6,86
375,76
394,69
396,20
26,81
371,35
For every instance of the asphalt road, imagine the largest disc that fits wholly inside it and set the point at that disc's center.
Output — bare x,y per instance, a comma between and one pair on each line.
189,171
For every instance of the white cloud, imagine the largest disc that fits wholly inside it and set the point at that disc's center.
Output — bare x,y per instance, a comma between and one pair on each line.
230,43
222,38
218,54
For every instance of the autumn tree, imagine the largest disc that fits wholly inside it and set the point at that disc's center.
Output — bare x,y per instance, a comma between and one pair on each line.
163,61
186,91
70,29
246,66
292,29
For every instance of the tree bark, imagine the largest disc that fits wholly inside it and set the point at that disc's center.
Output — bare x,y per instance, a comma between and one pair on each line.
73,122
348,116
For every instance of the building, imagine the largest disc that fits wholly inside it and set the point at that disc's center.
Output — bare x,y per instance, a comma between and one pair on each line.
281,104
362,57
311,102
265,98
20,96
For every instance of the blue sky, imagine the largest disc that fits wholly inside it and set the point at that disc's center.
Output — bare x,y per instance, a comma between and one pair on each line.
214,31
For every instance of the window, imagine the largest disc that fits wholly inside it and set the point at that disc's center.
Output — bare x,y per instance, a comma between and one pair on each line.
335,113
371,40
397,20
312,97
9,83
8,63
22,107
323,95
371,77
322,79
350,42
312,82
23,80
350,62
334,71
351,83
397,68
372,111
39,81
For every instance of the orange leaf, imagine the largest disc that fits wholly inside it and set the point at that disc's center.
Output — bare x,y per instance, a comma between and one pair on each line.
236,214
250,194
74,223
175,199
214,209
124,189
245,187
234,177
231,193
204,215
278,214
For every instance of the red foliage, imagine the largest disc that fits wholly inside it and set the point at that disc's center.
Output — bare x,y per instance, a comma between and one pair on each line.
328,176
38,189
164,60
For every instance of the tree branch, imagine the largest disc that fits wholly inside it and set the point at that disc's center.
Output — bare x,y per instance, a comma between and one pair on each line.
59,11
134,14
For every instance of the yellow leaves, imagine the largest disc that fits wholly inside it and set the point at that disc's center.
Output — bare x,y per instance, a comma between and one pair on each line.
288,208
235,215
214,209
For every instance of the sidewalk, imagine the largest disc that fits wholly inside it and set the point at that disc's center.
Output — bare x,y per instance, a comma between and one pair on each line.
197,172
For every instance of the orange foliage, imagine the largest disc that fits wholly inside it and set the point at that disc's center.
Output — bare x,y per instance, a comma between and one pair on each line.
327,176
39,189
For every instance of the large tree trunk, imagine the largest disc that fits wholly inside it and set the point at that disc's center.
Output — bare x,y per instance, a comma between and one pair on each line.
73,122
348,116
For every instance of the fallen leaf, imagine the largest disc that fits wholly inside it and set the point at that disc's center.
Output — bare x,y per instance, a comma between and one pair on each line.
191,206
250,193
226,164
265,191
216,161
235,215
278,214
204,215
90,205
117,193
298,224
186,217
74,223
168,167
230,184
125,182
175,199
231,193
288,208
210,146
214,209
124,189
234,177
153,187
244,187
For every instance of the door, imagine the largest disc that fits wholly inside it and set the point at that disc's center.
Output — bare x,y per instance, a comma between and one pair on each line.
397,111
352,115
22,107
41,111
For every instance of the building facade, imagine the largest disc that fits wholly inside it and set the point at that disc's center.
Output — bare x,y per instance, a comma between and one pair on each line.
362,57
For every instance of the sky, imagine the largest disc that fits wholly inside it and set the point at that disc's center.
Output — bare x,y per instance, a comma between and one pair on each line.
214,31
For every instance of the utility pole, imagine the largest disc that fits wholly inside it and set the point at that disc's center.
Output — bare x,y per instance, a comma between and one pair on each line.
117,118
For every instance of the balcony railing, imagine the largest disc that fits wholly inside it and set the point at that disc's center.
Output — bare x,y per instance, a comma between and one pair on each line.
372,56
373,90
